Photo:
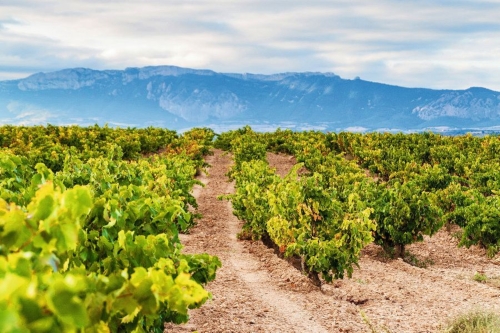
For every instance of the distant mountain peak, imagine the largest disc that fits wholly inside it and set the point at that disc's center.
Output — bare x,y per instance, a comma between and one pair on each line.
74,78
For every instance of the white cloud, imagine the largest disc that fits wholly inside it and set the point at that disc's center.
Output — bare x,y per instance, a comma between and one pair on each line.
439,44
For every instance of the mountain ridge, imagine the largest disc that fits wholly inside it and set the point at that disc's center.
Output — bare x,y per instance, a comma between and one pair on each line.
176,97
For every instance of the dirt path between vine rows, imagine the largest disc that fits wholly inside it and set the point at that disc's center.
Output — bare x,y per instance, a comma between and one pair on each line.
255,291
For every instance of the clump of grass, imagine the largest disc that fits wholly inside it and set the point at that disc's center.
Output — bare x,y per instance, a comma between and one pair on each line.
493,281
479,277
475,322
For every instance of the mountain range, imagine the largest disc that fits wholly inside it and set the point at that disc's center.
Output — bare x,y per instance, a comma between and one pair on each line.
180,98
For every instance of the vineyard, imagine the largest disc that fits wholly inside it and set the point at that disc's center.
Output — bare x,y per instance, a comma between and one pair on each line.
125,230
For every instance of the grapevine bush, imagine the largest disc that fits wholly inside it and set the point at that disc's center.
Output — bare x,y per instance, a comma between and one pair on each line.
89,223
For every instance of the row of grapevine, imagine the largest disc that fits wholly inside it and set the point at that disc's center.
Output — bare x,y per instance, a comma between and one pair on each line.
463,171
392,189
302,216
92,244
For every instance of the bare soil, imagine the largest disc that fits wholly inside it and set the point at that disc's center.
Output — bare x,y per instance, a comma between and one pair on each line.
255,291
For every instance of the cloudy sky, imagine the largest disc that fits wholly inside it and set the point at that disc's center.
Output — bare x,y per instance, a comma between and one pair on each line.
415,43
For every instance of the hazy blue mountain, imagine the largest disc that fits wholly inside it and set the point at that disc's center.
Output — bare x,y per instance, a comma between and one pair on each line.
180,98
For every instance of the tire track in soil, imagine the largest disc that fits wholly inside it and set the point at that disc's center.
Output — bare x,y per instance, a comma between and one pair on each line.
245,297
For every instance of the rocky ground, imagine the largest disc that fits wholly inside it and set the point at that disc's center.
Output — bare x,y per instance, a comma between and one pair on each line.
255,291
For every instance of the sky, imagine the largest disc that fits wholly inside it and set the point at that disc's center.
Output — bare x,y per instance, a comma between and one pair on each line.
414,43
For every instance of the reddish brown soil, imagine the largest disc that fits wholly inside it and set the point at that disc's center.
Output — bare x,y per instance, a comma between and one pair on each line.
255,291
